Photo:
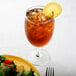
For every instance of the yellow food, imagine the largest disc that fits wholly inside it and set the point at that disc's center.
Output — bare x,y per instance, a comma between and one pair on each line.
52,9
20,68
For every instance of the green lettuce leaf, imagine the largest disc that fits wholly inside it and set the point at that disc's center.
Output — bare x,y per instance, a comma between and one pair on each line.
1,72
2,58
26,73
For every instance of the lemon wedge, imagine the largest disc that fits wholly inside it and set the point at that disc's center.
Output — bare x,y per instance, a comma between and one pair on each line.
52,9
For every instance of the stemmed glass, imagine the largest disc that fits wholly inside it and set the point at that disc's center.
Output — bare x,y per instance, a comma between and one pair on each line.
39,30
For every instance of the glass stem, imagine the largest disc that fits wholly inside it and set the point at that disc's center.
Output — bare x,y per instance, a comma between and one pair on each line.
37,52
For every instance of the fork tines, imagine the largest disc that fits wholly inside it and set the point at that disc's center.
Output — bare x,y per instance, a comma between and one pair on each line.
50,71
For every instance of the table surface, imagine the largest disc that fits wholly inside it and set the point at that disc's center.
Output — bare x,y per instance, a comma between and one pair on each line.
62,47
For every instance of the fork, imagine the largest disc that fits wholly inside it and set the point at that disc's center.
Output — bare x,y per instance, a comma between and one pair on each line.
50,71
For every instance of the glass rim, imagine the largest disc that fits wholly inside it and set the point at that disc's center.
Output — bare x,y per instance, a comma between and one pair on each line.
37,6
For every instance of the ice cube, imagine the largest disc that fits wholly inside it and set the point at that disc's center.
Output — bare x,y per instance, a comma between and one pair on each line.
43,17
34,10
39,10
39,18
33,13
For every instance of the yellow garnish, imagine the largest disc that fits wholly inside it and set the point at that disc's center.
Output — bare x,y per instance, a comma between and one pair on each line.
52,9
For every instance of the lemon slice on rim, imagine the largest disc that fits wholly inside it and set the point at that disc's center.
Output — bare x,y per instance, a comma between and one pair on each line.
52,9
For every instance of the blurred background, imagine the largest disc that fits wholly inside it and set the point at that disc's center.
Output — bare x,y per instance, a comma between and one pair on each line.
62,47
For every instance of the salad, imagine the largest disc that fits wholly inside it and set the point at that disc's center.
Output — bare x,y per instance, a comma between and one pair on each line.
8,68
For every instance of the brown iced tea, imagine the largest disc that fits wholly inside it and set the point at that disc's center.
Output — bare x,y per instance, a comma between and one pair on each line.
39,28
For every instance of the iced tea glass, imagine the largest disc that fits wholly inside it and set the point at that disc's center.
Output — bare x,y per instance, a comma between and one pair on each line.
39,30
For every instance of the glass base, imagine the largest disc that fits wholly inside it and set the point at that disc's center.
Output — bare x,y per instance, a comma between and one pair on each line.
40,59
